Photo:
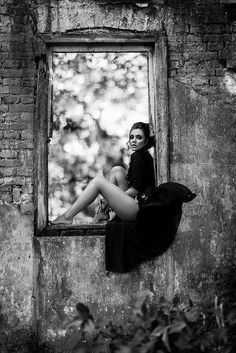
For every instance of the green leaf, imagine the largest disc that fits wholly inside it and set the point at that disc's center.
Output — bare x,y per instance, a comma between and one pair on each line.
177,327
158,331
165,338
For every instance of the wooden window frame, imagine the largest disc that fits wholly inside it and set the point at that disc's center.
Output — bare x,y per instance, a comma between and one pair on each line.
98,40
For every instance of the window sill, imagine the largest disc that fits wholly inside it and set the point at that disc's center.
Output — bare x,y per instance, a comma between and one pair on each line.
73,230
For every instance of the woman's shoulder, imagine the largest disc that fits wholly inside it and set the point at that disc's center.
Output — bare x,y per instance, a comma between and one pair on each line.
141,154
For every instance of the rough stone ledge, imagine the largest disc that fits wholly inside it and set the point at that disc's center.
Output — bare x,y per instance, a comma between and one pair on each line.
73,230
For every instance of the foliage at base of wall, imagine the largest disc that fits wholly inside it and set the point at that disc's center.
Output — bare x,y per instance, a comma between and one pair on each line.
208,326
165,327
20,340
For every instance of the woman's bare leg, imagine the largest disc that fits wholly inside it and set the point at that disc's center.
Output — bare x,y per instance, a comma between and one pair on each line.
117,177
123,205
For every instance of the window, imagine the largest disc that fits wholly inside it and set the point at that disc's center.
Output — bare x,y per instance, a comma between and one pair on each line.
103,46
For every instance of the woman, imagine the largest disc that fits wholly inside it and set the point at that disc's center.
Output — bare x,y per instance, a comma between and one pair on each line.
123,193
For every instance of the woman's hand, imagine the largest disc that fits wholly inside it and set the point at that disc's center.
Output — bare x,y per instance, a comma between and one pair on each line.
132,192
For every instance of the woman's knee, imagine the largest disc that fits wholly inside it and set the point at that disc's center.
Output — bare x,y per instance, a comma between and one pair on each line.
99,180
118,171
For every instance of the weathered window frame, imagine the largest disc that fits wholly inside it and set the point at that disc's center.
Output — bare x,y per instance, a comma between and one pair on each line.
98,40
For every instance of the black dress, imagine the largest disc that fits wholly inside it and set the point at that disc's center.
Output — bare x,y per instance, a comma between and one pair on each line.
141,174
128,244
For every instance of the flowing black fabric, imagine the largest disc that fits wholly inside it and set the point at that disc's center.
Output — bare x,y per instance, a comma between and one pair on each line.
141,172
128,244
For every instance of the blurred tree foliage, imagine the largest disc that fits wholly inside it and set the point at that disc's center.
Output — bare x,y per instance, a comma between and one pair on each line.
96,99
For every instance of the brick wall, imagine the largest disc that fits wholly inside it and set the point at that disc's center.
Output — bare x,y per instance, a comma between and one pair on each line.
200,47
17,95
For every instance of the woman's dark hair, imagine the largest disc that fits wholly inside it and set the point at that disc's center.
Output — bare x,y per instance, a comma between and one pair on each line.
145,128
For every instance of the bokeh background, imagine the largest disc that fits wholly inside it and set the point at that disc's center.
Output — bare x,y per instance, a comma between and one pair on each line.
96,99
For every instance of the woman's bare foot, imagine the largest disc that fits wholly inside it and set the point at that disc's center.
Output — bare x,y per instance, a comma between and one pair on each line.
100,217
62,220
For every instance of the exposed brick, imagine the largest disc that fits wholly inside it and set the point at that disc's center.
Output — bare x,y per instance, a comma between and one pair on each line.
11,135
219,71
205,71
10,99
24,171
215,46
8,154
4,144
10,116
224,54
4,56
231,46
18,46
9,64
27,117
11,81
21,90
5,198
13,181
5,47
199,81
28,72
27,207
216,28
18,126
3,108
16,192
174,64
27,156
190,38
3,10
21,55
5,188
216,38
28,81
26,99
27,189
181,28
27,135
10,163
200,56
4,90
7,172
21,107
176,56
197,29
11,73
4,126
214,80
18,29
25,144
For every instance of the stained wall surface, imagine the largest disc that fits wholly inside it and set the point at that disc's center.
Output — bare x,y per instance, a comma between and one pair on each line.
201,59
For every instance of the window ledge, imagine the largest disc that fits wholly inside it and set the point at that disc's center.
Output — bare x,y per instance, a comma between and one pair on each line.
73,230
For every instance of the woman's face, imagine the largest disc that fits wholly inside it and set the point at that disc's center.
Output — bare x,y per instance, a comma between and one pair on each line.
137,139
